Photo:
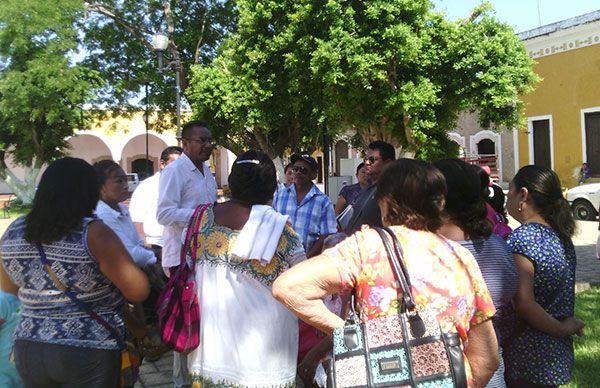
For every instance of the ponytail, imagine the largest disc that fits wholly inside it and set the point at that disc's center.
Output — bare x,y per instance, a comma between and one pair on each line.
561,219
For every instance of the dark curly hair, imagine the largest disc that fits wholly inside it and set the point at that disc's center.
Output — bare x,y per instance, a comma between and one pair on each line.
386,150
415,190
68,191
253,178
465,205
546,194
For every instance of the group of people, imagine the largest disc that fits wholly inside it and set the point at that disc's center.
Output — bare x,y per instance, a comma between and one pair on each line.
274,269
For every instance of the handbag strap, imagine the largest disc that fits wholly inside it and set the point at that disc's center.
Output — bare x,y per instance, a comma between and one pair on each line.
192,234
394,253
78,302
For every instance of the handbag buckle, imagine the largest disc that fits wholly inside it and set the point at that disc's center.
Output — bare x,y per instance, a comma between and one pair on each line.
351,340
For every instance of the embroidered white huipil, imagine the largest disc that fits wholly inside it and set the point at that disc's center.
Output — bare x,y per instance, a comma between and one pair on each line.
247,338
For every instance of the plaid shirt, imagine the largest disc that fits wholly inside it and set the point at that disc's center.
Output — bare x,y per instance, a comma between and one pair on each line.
312,218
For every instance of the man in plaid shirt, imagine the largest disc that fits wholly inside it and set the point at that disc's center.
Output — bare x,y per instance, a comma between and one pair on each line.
310,210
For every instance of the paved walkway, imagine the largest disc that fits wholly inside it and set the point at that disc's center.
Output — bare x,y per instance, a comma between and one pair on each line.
158,373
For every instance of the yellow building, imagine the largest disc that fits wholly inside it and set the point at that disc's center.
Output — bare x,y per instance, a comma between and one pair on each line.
563,113
126,141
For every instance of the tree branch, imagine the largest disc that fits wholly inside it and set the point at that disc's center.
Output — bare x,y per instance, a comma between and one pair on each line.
477,11
263,143
39,151
3,167
392,73
6,174
199,44
133,30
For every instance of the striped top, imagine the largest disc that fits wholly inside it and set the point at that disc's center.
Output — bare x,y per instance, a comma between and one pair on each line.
47,314
498,269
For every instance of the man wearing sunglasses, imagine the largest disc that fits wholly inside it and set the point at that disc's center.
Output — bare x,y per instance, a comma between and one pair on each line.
310,210
365,207
183,185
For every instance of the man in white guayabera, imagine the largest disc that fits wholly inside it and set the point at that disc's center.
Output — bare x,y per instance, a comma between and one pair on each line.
184,184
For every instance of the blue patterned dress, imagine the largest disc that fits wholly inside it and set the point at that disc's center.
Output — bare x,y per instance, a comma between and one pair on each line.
47,314
532,355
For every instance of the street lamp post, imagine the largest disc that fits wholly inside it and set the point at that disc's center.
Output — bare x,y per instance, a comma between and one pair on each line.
160,43
147,124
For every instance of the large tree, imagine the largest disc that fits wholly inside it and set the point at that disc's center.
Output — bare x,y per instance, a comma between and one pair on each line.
117,40
260,91
387,69
41,91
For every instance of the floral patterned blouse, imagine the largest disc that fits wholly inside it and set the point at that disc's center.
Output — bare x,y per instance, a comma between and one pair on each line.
444,276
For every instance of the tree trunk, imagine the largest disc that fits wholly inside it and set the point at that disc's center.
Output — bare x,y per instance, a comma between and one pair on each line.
279,167
24,188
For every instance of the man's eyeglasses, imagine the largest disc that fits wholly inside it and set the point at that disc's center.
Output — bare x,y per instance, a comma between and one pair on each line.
203,141
300,169
371,159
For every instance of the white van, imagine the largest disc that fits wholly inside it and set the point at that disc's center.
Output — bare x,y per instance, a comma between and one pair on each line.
132,181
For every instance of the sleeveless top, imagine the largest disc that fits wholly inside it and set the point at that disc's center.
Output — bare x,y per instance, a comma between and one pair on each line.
47,314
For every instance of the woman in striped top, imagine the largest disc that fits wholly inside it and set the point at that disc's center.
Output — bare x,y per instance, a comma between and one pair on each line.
465,222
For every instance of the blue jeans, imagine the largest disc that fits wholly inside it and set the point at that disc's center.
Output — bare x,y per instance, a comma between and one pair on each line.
50,365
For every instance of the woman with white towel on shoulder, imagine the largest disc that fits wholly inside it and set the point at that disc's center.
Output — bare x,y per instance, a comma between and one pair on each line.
247,338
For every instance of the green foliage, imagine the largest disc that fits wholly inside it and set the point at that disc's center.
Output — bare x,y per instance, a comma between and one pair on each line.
41,91
117,36
587,348
390,69
260,91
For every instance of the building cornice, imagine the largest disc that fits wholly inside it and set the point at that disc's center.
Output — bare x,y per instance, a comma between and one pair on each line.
554,41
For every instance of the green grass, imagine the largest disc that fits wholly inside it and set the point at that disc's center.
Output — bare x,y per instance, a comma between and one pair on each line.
587,348
18,210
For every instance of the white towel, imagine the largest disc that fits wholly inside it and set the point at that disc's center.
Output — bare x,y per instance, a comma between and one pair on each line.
259,237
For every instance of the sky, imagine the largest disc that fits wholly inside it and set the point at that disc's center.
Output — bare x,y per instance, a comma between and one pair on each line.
521,14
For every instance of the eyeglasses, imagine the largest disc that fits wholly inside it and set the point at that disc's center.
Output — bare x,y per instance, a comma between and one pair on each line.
203,141
371,159
300,169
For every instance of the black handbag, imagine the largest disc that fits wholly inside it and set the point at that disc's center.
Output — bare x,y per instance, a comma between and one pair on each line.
404,350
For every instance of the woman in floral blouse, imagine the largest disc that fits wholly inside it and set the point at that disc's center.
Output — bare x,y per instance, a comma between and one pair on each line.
444,275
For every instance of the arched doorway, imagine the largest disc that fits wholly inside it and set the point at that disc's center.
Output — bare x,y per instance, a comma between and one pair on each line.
143,167
133,155
88,147
486,147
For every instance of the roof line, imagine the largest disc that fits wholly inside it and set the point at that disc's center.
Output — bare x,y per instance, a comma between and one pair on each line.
561,25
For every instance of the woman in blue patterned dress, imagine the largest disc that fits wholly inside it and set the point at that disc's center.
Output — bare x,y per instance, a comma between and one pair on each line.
57,344
540,353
